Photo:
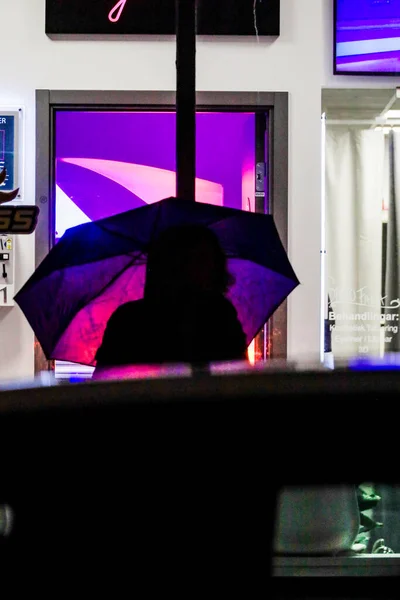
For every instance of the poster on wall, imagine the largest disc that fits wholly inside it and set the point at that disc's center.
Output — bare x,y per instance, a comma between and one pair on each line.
9,150
157,17
19,218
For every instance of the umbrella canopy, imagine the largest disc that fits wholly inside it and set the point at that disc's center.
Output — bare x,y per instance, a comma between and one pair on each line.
98,266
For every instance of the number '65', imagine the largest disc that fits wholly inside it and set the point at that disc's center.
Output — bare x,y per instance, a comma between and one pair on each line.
18,219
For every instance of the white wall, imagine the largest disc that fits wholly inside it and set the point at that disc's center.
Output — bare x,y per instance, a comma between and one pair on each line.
299,62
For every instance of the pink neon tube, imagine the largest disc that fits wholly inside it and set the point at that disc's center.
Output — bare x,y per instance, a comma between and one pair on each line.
116,12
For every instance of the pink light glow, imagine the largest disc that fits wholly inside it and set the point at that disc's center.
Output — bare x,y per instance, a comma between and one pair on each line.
143,372
87,328
116,12
248,204
151,184
248,191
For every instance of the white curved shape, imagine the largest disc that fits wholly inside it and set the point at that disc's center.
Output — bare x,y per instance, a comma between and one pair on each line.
151,184
68,214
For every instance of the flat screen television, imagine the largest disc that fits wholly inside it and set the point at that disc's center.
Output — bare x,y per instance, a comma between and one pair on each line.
366,37
157,17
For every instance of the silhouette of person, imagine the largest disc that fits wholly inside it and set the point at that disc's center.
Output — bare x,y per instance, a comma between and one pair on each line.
184,316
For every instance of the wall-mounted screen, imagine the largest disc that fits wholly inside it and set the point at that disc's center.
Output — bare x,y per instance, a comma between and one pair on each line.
157,17
367,37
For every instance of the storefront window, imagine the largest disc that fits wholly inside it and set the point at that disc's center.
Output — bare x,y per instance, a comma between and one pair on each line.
362,299
360,274
110,162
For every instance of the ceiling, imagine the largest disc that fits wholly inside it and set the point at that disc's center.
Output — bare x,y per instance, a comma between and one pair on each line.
357,104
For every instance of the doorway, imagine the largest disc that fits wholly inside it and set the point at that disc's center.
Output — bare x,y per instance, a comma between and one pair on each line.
107,157
362,298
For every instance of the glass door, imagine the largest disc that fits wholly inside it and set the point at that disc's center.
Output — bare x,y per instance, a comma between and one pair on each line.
110,162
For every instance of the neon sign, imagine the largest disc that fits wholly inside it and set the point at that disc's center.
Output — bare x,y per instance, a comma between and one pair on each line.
157,17
116,12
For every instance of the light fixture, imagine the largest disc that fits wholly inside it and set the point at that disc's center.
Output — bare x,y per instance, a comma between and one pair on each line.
385,130
392,114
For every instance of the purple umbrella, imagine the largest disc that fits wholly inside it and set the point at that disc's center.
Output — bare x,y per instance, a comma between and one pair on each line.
98,266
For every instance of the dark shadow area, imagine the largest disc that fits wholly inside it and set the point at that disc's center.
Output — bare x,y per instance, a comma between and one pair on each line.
175,480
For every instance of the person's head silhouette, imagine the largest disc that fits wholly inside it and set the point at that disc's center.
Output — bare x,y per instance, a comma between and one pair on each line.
186,259
184,316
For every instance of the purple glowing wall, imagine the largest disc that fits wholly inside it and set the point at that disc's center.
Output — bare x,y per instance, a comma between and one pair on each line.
108,163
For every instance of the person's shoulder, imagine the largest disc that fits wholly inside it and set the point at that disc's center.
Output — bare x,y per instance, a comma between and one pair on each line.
128,309
218,304
219,300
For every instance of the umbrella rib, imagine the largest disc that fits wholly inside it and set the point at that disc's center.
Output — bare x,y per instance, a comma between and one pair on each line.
112,280
264,266
105,287
118,235
256,262
210,224
127,237
271,313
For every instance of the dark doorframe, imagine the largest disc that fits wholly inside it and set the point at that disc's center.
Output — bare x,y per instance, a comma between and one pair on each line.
273,104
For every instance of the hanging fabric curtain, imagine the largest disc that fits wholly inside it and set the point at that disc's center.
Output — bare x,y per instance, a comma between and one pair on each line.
392,271
354,189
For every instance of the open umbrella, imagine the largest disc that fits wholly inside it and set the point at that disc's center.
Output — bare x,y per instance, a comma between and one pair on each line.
98,266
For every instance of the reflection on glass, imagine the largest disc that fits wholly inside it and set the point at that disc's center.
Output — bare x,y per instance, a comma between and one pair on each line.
316,520
379,520
341,520
107,163
6,520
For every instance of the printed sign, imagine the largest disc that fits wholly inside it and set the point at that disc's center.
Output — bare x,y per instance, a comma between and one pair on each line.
362,323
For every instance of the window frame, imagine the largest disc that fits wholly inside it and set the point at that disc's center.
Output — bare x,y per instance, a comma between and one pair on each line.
274,104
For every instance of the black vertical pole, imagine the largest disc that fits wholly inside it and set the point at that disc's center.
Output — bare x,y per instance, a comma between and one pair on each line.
185,98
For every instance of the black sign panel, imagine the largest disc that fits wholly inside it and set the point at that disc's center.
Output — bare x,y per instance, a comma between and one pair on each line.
18,219
157,17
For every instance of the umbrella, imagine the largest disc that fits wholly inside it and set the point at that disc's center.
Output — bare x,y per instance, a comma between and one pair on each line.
98,266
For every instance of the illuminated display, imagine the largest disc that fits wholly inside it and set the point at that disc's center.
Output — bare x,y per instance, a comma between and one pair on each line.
367,37
157,17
